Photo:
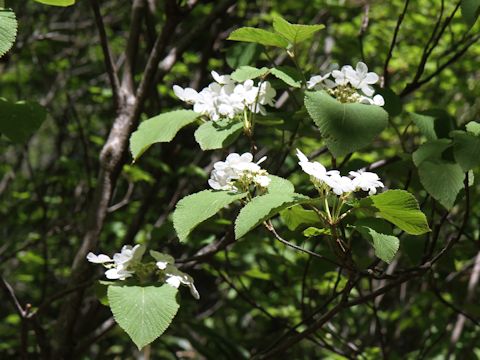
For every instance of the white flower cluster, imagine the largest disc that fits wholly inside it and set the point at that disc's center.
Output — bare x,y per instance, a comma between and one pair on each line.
349,85
225,98
339,185
124,264
239,168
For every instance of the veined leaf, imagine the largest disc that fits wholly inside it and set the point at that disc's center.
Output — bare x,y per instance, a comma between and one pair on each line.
258,36
294,33
262,208
8,30
288,75
218,134
345,127
161,128
385,246
443,180
466,149
144,312
194,209
244,73
401,209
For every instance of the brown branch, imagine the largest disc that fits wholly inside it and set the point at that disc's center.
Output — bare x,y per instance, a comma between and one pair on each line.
393,44
131,51
107,55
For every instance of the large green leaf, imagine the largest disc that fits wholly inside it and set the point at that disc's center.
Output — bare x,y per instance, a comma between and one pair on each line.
218,134
262,208
258,36
20,120
385,246
345,127
466,149
294,33
161,128
400,208
57,2
8,30
144,312
434,123
470,11
442,180
431,150
248,72
280,185
196,208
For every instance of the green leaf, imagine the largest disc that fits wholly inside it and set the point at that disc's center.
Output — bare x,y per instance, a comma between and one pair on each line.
295,216
442,180
280,185
385,246
196,208
248,72
473,127
470,11
401,209
261,208
258,36
288,75
21,119
345,127
294,33
218,134
8,30
431,150
434,123
242,54
466,149
313,231
161,128
57,2
144,312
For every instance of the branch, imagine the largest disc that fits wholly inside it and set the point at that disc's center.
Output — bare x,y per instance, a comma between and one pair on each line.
131,51
107,55
393,44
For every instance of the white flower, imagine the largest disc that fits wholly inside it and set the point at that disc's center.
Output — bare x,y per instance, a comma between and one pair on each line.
319,82
367,181
162,259
221,79
266,94
188,95
376,100
314,169
98,259
175,277
220,180
262,180
360,78
129,255
118,274
224,98
341,76
339,184
233,168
